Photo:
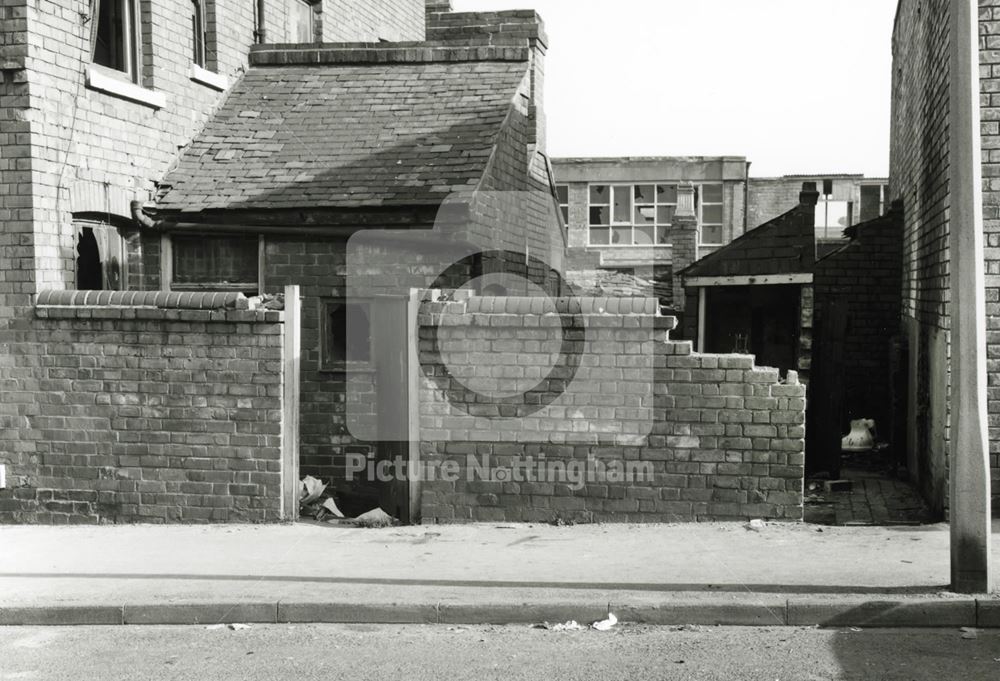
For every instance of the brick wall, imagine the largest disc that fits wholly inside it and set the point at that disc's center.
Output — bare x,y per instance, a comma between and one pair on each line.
351,20
17,270
919,176
720,438
989,28
115,414
865,276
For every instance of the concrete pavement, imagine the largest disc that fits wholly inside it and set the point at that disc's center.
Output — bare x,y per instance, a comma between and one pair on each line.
712,573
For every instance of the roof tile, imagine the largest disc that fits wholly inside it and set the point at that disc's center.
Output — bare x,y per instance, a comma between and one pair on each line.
346,135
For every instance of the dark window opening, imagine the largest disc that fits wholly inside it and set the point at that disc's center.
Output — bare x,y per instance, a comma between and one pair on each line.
89,274
218,263
348,337
116,37
98,258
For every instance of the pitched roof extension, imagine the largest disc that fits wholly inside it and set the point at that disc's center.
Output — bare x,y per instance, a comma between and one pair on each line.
784,245
349,127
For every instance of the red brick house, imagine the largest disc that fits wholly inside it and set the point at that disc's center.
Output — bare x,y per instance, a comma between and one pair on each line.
106,104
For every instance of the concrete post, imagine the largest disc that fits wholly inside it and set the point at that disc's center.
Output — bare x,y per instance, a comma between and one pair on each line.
969,453
291,361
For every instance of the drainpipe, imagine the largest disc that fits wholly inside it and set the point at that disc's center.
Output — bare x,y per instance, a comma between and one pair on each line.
969,467
259,32
746,200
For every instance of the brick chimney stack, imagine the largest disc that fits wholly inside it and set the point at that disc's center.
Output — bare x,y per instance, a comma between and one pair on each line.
506,28
684,239
434,6
809,196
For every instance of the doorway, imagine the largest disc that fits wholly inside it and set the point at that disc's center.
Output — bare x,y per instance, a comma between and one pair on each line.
757,320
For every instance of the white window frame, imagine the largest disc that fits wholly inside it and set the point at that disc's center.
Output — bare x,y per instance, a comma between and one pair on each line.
661,228
199,35
701,203
131,47
311,6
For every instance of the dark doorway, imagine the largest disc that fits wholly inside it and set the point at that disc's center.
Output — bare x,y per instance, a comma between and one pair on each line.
757,320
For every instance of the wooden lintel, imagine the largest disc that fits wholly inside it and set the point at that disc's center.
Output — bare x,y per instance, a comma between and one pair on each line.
750,280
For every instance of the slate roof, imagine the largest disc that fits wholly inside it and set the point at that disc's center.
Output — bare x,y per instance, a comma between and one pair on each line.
346,135
784,245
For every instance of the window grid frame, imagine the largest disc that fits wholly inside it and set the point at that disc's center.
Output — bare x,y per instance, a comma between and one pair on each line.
660,227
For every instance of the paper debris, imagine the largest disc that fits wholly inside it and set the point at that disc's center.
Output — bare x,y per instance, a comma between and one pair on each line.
572,625
331,506
606,624
970,633
239,627
311,490
756,525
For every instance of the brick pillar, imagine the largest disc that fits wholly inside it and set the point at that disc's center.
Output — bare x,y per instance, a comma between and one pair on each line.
684,237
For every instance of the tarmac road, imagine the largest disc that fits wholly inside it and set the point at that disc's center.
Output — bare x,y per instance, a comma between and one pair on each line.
417,653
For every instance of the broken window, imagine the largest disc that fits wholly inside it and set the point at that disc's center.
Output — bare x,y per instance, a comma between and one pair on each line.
347,338
303,21
218,263
115,36
99,256
642,214
199,38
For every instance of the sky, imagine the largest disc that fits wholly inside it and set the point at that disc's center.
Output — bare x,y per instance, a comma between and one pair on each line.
796,86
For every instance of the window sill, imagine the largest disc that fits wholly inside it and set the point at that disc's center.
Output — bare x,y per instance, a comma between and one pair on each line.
216,81
627,246
101,80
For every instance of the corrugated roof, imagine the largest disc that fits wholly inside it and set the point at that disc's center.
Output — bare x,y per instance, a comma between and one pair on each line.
346,135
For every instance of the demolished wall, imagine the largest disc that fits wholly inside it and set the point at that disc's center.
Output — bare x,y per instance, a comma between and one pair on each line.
679,436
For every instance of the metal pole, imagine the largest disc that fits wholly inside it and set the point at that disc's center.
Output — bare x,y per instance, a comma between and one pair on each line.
969,453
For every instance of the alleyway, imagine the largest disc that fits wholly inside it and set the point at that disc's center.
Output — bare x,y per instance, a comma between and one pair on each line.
878,494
